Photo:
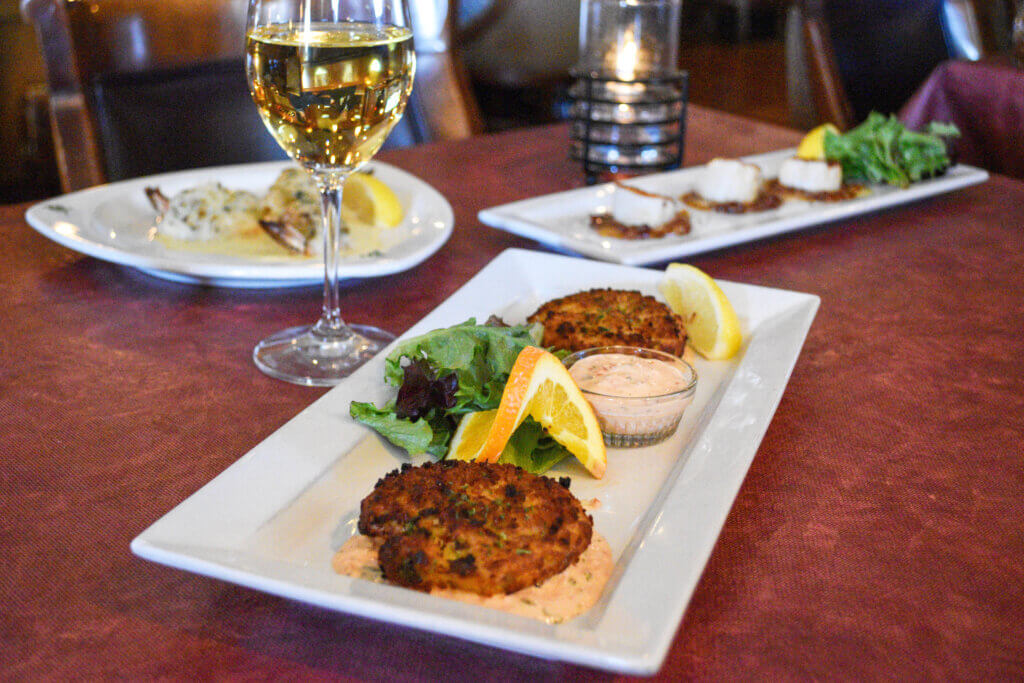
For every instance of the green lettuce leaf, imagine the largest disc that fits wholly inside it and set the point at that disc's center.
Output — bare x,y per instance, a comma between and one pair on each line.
414,436
531,448
481,356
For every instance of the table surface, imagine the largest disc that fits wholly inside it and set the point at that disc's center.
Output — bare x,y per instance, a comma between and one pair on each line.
879,531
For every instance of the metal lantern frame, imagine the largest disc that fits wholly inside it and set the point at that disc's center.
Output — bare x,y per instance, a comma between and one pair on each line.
666,91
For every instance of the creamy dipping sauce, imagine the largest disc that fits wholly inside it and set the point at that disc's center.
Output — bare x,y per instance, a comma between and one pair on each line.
620,374
637,400
561,597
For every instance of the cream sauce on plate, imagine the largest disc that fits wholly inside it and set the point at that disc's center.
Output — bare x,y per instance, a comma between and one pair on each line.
244,243
362,239
560,598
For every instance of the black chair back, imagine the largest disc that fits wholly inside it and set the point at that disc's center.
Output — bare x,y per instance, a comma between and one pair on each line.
166,120
171,119
885,49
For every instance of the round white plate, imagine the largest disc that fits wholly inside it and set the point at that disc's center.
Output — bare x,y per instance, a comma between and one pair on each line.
114,222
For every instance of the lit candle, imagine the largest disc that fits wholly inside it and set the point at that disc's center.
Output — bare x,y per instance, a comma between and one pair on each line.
631,39
626,58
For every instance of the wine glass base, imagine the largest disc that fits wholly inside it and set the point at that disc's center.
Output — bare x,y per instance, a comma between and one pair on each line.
302,356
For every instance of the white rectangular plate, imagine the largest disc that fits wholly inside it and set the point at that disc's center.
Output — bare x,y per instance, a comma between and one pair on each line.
562,220
273,520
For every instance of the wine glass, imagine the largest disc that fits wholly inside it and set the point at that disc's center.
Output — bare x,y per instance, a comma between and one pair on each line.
330,78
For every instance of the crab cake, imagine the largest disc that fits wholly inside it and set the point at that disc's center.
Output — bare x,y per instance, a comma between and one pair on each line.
610,317
486,528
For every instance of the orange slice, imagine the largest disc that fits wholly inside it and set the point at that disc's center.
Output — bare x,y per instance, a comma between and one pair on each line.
541,387
469,438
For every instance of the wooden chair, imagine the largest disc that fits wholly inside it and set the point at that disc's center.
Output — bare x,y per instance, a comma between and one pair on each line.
442,106
744,10
144,86
519,54
864,55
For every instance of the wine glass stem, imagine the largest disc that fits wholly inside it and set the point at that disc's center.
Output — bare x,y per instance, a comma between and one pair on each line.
331,186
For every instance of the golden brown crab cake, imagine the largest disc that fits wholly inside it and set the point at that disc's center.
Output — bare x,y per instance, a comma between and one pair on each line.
610,317
486,528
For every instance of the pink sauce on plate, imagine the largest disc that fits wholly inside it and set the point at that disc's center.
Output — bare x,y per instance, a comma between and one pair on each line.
561,597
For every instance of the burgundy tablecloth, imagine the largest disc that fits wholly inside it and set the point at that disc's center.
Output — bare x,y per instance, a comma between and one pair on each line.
879,533
986,100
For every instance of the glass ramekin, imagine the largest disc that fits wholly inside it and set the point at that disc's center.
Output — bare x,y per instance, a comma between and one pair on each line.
632,421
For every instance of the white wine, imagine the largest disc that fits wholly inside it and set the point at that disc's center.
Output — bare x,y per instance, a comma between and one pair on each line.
330,93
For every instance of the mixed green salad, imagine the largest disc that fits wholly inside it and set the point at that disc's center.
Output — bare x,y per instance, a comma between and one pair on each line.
447,373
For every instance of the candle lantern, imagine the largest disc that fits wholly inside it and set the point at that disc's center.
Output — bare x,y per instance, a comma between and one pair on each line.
629,97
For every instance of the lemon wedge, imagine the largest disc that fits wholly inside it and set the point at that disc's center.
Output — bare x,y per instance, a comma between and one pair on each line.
471,435
711,323
539,386
371,201
812,147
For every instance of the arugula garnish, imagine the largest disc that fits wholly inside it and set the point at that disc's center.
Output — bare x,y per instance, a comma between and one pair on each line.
883,150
